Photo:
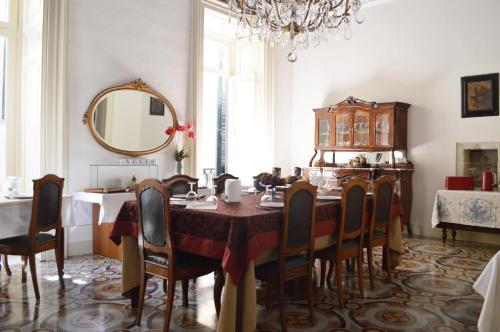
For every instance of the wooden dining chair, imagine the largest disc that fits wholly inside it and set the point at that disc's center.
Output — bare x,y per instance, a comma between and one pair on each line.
220,181
378,233
349,236
179,184
296,248
157,252
45,217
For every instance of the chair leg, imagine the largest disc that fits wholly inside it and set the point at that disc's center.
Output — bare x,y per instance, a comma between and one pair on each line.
360,273
330,274
24,261
60,265
369,253
165,286
5,263
185,291
218,286
170,302
387,253
142,294
281,299
33,275
322,273
310,297
338,277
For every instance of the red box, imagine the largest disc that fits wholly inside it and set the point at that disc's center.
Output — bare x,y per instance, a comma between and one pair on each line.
459,183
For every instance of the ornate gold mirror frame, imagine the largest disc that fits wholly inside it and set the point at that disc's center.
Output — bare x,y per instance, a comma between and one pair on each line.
137,85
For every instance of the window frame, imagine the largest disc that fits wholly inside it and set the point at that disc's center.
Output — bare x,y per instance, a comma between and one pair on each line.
12,32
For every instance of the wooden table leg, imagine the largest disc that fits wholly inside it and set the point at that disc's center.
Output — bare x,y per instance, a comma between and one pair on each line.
240,300
445,235
453,234
133,295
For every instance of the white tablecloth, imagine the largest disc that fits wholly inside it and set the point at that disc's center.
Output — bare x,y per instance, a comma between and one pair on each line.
110,206
15,216
473,208
488,285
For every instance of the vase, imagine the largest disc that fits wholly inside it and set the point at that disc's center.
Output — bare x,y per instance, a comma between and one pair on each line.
179,167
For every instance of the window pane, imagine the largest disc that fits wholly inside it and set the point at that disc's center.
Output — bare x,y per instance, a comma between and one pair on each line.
4,10
215,55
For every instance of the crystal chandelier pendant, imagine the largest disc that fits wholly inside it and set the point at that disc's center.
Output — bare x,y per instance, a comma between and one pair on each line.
295,24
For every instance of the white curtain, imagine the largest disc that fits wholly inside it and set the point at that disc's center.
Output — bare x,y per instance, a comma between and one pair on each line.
250,147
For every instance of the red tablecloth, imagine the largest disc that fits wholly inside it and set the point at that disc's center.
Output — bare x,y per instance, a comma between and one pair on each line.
235,233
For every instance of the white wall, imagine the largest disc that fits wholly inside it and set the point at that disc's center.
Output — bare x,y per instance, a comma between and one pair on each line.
113,42
409,51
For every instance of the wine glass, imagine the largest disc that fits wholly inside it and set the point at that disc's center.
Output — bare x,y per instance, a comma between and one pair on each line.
191,195
212,198
268,196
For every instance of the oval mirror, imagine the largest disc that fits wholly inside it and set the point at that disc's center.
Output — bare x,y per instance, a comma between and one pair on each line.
131,119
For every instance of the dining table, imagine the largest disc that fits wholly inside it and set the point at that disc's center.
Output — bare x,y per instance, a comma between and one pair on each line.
241,235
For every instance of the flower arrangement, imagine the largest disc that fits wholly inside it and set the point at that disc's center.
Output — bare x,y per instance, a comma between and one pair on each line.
179,132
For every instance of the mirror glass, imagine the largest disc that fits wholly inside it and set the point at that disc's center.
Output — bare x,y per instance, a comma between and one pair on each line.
132,121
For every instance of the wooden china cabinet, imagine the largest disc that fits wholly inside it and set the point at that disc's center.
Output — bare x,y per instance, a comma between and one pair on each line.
357,125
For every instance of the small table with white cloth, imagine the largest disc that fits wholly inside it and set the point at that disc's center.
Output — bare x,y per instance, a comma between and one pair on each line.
488,285
467,210
15,215
105,208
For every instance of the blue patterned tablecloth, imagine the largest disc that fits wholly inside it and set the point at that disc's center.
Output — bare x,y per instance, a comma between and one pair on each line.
466,207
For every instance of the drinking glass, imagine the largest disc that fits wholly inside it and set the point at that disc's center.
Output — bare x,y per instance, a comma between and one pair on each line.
268,196
212,198
191,195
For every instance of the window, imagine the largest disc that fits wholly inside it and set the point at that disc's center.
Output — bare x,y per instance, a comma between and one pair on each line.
235,116
20,89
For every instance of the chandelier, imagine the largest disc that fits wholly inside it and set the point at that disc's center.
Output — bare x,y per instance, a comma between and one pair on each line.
295,24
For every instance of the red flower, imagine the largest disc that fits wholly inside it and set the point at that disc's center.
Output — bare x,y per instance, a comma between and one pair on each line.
170,131
191,134
181,127
189,126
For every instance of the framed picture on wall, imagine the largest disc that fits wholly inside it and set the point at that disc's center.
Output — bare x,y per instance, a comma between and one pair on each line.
480,95
156,107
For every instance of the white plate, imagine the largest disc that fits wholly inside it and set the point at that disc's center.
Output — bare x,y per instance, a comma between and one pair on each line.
183,196
178,202
328,198
201,206
272,204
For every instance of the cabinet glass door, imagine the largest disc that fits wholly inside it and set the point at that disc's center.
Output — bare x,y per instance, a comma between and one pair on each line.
324,132
342,129
382,129
361,128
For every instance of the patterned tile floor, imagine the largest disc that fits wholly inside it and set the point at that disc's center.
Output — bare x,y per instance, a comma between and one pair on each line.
430,291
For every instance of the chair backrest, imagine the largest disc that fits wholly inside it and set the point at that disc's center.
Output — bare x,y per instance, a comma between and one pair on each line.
352,221
297,229
47,202
179,184
154,217
219,182
383,191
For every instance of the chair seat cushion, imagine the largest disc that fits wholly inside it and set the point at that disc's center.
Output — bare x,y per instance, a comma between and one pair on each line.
269,271
183,259
331,251
23,240
377,235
